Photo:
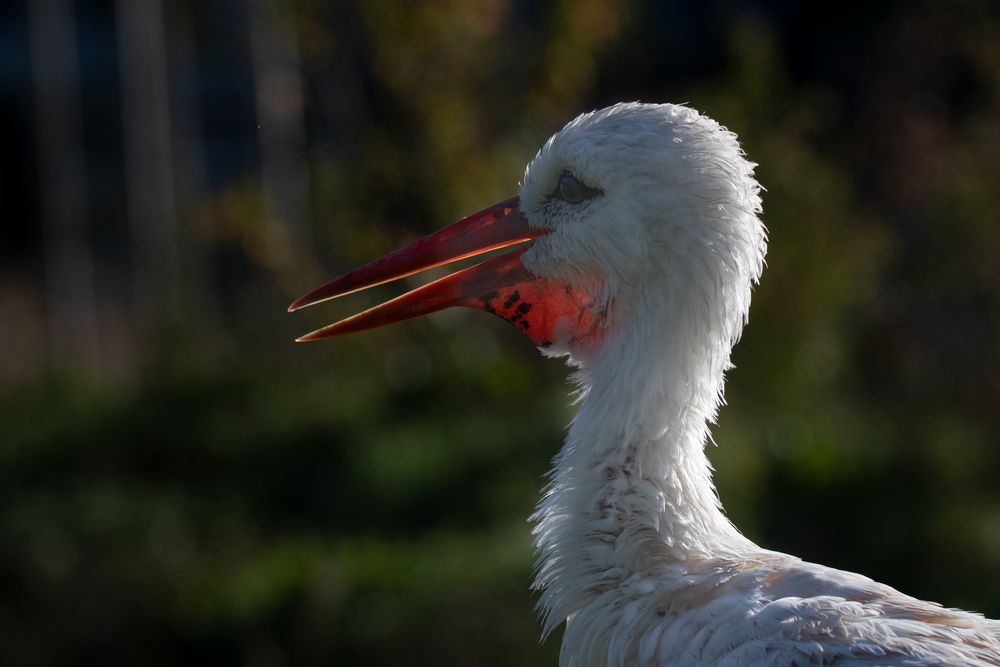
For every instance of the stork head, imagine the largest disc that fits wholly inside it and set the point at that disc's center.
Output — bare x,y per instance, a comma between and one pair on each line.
623,215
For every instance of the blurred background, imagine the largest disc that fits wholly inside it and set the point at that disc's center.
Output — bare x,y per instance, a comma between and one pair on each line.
180,483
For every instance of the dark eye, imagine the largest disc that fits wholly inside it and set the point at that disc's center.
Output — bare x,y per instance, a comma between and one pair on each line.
572,191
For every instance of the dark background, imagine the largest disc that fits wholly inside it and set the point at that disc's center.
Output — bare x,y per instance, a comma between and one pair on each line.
179,483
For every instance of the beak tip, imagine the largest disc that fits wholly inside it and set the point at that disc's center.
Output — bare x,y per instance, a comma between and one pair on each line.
313,336
299,303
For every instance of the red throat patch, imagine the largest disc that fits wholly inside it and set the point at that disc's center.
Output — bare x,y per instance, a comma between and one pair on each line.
546,311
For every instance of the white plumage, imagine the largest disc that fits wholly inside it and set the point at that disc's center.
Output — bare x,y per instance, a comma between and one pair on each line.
634,552
645,242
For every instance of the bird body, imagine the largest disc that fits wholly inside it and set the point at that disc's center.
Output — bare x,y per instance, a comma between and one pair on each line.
642,242
767,608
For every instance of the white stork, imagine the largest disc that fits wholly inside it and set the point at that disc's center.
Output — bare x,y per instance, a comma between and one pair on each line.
639,242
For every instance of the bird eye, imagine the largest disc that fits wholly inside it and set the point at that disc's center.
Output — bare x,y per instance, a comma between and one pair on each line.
572,191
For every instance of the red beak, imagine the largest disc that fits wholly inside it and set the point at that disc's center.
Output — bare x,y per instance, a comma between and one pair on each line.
543,309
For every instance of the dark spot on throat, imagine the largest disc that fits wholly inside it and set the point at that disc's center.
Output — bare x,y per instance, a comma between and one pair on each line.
487,301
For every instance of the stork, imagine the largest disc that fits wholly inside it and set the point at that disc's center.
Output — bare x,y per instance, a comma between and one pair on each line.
638,241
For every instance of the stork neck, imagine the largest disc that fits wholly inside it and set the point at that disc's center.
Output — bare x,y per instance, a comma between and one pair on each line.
639,438
632,488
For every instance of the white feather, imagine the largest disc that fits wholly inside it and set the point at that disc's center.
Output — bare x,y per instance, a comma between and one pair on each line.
634,552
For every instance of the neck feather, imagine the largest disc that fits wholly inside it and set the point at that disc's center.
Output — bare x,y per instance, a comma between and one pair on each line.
632,488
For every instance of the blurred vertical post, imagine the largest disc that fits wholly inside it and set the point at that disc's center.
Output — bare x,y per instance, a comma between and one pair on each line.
279,93
148,161
70,294
199,298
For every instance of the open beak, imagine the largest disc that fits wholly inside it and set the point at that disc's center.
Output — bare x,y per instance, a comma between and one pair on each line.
543,309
